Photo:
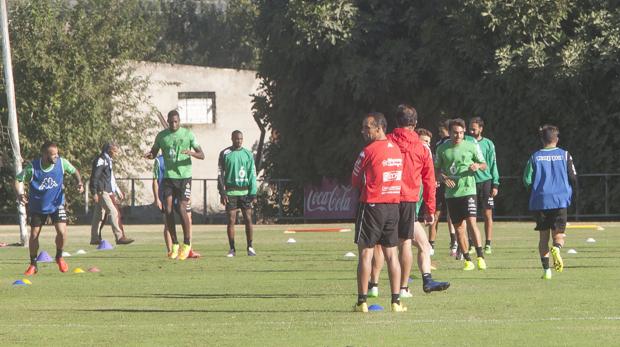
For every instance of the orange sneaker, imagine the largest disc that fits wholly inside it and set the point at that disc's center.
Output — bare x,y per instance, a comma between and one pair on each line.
62,266
32,269
193,254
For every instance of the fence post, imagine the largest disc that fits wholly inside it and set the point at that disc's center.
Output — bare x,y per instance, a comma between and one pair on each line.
133,194
279,187
204,200
577,201
86,193
606,194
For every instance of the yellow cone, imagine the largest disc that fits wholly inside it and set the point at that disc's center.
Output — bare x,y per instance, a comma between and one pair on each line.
78,270
27,281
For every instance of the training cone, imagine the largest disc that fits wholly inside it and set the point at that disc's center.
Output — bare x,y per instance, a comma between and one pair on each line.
572,251
80,251
19,283
104,245
44,257
78,270
66,254
349,255
27,281
375,307
291,240
94,269
590,240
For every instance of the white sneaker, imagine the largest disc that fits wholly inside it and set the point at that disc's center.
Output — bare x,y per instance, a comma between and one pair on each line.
432,252
251,252
405,293
231,253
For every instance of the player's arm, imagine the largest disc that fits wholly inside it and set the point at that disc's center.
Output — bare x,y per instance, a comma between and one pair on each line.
492,160
152,154
155,185
528,174
24,176
221,178
197,151
479,162
359,168
443,178
95,178
428,181
71,170
572,172
252,177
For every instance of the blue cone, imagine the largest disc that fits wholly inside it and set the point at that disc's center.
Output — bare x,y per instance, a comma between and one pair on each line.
104,245
375,307
19,283
44,257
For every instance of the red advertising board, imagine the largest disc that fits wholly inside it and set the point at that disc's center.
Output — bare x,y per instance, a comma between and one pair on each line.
330,200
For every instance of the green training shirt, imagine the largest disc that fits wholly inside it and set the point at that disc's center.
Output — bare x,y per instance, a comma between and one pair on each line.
454,161
26,174
177,165
237,173
488,152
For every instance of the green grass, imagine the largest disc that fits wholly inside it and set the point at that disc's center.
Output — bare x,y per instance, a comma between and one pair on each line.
301,294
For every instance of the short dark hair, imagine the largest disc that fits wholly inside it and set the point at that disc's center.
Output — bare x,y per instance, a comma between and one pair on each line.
424,132
173,113
443,124
456,121
549,133
378,118
236,132
477,120
406,115
47,145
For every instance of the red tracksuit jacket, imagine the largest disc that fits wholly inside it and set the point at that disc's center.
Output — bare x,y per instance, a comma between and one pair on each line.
418,168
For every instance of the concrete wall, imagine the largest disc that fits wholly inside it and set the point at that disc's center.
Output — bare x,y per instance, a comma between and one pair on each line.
233,112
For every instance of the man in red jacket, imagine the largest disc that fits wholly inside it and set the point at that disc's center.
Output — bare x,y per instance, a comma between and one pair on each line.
418,169
377,174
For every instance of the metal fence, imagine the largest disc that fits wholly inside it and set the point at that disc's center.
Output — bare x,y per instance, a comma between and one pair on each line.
595,197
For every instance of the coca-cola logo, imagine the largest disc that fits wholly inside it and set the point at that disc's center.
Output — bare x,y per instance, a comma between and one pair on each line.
338,199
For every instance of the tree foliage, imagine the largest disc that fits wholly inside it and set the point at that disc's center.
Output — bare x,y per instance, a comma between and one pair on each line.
198,33
73,84
517,64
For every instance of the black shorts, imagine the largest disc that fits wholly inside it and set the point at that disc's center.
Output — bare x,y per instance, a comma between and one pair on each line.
440,200
243,202
406,220
461,208
38,219
551,219
421,213
376,224
178,188
483,190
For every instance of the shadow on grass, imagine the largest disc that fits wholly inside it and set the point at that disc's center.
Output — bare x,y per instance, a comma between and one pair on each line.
224,296
137,310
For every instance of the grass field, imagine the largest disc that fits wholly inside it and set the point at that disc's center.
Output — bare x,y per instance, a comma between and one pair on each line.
301,294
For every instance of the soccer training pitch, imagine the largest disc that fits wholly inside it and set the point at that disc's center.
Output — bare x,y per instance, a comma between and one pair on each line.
301,294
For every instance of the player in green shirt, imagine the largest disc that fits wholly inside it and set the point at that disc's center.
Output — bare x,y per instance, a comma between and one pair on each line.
487,181
456,163
178,146
237,187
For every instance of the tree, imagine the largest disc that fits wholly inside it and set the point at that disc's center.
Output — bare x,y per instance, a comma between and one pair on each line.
517,64
73,81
